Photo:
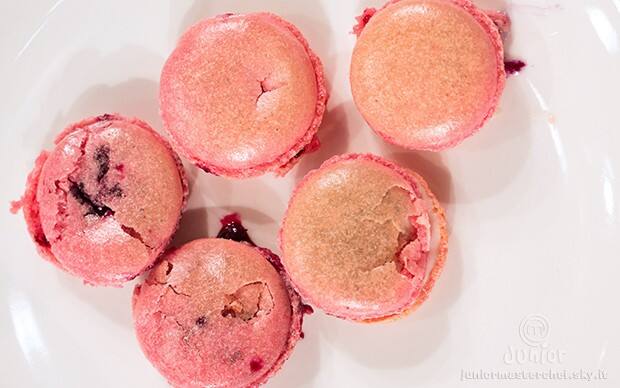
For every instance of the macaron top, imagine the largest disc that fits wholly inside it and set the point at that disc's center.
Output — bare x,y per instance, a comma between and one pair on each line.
426,74
107,199
215,313
355,238
242,94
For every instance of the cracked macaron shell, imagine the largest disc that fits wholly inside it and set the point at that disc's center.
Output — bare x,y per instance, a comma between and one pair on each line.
216,313
363,239
242,95
426,74
106,201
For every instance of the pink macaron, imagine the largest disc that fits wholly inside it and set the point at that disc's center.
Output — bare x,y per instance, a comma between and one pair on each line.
363,239
426,74
217,313
105,202
242,95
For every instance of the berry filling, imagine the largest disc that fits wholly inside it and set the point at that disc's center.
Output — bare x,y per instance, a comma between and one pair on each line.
514,66
256,364
93,208
102,157
92,183
233,229
201,321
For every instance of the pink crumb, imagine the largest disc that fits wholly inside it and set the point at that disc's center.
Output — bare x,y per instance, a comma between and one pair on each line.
16,205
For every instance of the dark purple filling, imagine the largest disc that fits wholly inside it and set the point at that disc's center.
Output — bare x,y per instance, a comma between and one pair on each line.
102,157
105,190
105,117
232,229
299,154
169,268
79,193
307,309
207,170
514,66
201,321
114,191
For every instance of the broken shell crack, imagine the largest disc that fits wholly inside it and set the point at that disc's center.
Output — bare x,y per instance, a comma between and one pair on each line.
408,231
171,287
94,204
78,192
248,302
266,86
169,268
135,234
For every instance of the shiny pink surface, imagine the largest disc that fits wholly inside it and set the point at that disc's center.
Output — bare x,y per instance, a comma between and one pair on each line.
426,74
105,202
242,94
216,313
356,237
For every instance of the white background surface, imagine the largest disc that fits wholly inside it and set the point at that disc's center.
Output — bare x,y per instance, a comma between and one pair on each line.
533,200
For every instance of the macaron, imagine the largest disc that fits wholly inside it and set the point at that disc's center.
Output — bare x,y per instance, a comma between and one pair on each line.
427,74
216,313
363,239
105,202
242,95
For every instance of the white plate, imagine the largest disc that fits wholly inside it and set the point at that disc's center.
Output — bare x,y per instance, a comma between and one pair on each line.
533,201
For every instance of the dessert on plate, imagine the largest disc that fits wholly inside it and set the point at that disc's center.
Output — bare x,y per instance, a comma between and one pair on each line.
105,202
217,313
363,239
426,74
242,95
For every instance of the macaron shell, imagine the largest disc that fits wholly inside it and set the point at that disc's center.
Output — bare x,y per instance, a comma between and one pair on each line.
120,168
30,207
339,238
216,313
426,74
438,244
242,94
